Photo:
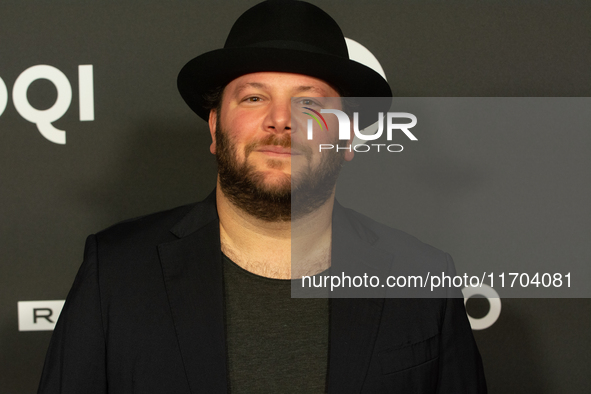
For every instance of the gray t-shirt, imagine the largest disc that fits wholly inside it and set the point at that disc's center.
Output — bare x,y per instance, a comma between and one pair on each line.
276,344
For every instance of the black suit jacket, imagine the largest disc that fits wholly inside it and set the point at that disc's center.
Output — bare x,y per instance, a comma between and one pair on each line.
146,315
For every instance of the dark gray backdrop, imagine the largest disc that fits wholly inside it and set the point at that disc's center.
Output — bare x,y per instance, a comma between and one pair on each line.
146,151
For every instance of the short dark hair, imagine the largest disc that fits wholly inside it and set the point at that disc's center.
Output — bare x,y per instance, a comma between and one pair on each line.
212,99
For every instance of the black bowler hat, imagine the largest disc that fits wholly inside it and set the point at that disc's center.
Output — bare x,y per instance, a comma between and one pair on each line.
285,36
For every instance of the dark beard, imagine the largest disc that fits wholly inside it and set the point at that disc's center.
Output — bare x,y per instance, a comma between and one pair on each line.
311,188
246,189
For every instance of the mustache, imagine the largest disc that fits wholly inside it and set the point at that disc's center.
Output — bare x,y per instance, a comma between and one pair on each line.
281,140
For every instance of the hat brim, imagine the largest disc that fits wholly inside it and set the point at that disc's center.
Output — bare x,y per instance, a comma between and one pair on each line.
218,68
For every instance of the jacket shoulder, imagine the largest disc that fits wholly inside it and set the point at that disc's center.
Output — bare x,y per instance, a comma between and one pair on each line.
387,252
392,240
153,227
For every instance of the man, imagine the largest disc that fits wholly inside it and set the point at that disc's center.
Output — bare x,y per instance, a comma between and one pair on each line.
197,299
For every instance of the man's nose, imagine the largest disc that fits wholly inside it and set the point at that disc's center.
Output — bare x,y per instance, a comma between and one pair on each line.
279,118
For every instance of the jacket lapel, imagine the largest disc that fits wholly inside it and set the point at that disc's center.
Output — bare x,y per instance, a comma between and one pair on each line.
192,270
354,322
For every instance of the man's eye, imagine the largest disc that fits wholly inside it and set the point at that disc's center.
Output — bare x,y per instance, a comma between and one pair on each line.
308,102
253,99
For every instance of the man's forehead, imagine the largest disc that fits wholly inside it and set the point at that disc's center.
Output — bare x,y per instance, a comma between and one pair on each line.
294,83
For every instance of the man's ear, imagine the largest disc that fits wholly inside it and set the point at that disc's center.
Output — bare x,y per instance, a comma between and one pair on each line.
213,116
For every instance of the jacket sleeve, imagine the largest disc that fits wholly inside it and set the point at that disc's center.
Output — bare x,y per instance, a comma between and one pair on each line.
75,362
460,365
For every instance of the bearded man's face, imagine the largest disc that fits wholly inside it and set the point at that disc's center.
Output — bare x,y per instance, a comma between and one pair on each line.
266,166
